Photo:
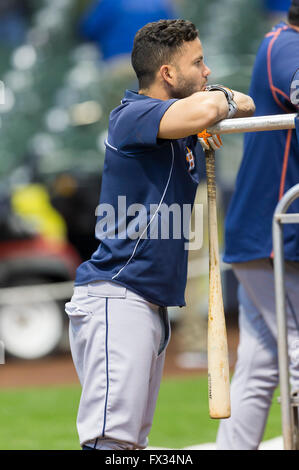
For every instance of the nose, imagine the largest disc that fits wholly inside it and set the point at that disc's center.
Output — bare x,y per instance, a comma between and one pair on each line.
207,71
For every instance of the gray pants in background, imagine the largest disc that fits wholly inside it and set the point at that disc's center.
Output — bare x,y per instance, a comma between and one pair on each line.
256,372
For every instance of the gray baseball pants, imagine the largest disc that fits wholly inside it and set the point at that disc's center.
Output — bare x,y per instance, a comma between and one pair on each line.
256,372
118,342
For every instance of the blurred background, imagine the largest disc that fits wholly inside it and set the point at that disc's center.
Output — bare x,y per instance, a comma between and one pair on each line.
65,65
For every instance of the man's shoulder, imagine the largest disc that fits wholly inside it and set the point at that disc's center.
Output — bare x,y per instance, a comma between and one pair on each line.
134,124
127,106
132,112
282,33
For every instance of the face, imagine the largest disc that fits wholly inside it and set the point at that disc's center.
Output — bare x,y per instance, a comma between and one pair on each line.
190,74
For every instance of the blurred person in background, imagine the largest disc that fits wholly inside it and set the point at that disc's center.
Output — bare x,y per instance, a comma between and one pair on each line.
270,167
276,9
112,24
14,16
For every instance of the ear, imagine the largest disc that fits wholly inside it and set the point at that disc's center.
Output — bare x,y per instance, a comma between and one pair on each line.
167,72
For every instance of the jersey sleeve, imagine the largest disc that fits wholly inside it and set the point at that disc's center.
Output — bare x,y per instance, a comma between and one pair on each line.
135,127
285,71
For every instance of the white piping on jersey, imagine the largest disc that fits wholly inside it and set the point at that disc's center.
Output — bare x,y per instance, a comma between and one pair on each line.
109,145
156,211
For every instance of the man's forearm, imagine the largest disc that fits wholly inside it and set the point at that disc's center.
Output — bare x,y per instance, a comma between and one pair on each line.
190,115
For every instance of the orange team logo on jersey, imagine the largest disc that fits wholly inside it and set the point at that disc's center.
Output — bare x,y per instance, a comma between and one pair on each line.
190,159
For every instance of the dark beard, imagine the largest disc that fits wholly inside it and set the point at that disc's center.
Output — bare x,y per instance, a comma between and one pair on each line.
183,90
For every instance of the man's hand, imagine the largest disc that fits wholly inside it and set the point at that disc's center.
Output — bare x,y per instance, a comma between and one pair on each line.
240,105
229,94
209,141
245,103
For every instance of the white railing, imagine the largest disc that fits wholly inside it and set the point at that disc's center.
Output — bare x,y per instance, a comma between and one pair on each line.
253,124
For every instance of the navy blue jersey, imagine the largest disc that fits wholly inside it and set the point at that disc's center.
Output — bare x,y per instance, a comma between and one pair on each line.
270,164
143,177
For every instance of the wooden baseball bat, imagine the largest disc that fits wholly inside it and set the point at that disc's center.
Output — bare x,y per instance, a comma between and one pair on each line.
218,365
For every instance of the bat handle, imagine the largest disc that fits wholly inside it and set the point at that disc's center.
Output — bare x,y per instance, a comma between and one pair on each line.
210,171
212,208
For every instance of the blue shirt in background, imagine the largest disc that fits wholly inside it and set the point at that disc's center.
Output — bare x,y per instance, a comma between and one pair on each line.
270,164
112,24
277,5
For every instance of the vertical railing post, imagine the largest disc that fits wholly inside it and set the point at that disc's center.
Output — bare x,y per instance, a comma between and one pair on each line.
279,219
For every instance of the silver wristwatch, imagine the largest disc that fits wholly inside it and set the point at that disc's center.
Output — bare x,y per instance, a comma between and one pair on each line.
229,94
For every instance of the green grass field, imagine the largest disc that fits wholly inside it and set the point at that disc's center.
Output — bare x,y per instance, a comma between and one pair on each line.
44,418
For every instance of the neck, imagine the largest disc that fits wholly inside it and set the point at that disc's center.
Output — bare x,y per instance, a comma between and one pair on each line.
155,91
294,27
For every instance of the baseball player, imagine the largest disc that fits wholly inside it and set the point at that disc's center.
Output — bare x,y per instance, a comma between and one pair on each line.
270,166
119,327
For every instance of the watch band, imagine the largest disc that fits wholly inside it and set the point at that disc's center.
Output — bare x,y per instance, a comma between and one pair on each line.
232,109
227,91
229,94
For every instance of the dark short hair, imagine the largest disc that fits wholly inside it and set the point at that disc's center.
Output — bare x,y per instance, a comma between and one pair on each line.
293,15
156,43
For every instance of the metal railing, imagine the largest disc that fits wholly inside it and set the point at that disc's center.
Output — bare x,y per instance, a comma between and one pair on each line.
274,122
289,405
